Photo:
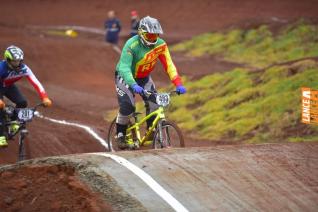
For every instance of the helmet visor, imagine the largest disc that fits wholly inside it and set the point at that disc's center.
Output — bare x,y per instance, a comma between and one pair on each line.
150,37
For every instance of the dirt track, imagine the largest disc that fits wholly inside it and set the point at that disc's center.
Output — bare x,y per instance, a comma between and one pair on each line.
270,177
78,75
232,178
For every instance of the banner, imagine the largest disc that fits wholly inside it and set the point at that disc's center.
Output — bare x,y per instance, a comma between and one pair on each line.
309,106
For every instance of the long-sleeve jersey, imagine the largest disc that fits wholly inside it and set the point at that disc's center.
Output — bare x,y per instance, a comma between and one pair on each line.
9,77
137,61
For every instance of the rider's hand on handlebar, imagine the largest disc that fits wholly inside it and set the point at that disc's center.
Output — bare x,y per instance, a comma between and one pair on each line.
181,89
47,102
137,89
2,104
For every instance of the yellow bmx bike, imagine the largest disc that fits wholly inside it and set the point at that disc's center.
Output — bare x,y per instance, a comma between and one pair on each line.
162,134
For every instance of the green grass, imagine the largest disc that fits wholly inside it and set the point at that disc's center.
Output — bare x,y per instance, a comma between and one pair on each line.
303,139
257,47
231,106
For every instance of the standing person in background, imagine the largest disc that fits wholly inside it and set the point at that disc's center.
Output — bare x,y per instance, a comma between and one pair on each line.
134,23
113,27
12,69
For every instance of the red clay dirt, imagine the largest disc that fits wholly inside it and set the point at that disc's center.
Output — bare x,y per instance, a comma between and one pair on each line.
78,73
47,188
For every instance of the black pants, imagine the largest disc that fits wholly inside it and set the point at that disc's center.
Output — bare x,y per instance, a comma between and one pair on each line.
13,94
126,99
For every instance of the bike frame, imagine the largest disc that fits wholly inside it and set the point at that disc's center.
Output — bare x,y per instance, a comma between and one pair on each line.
159,113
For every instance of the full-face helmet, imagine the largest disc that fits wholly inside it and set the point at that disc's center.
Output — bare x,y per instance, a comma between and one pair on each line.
149,30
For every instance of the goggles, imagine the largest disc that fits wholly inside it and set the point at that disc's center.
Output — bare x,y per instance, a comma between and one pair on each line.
150,37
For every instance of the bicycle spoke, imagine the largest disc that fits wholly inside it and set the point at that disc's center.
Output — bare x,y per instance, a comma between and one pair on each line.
171,136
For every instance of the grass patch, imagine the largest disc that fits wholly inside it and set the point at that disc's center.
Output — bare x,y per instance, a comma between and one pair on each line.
232,107
256,47
303,139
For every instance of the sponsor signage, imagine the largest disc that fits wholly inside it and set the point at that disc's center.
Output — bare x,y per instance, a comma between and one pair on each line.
309,106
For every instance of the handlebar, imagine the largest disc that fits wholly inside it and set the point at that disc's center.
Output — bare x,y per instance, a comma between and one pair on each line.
12,111
147,93
162,99
32,108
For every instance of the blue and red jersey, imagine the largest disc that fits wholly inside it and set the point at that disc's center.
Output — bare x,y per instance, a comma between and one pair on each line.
8,77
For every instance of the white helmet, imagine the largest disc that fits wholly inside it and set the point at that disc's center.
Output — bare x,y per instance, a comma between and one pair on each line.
149,30
14,57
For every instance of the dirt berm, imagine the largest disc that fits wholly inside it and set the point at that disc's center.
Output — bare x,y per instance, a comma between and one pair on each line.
270,177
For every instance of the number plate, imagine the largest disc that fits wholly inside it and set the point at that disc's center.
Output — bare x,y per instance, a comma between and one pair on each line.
163,99
25,114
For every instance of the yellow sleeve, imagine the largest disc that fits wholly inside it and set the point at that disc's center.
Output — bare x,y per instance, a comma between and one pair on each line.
169,67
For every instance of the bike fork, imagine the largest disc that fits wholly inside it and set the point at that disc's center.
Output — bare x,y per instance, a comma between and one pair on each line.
160,133
22,136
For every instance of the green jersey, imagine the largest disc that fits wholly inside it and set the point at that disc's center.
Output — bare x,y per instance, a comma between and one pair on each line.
137,61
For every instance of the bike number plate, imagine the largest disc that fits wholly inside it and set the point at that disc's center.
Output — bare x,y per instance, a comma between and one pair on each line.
25,114
163,99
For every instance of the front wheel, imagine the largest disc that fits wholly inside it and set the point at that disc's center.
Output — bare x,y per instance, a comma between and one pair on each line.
167,134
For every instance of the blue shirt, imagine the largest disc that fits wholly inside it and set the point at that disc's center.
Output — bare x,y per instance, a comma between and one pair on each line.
113,28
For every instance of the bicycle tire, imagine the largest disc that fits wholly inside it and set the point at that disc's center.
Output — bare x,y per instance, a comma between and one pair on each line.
111,138
171,136
112,145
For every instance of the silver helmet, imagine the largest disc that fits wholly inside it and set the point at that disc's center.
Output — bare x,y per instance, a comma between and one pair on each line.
149,30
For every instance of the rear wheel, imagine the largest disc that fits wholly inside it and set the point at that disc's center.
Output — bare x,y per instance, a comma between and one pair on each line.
111,138
167,134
